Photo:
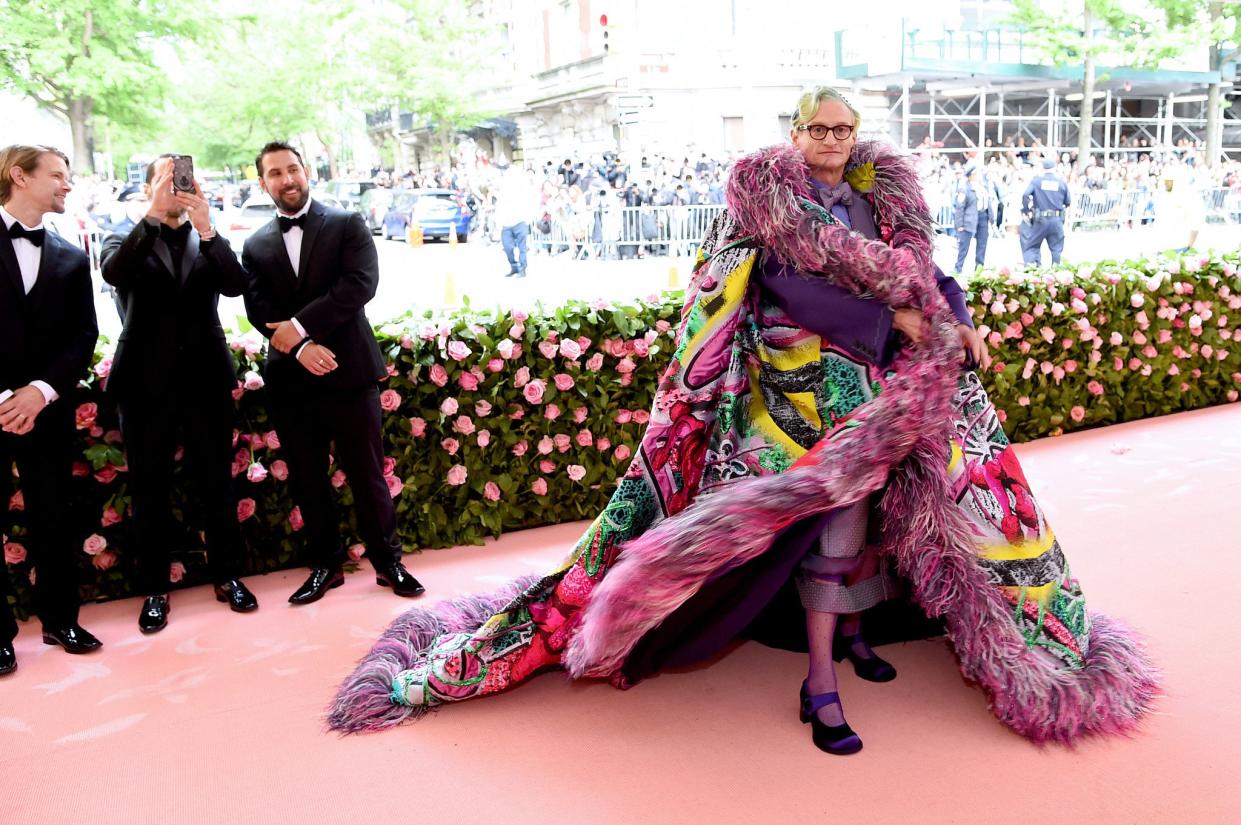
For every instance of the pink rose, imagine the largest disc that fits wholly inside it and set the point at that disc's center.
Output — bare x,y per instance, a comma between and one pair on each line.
506,349
563,442
395,485
107,475
484,438
1070,366
81,469
339,479
14,553
641,348
551,412
450,445
595,362
295,519
623,416
516,331
491,491
545,445
85,416
104,561
1078,413
521,377
458,351
438,375
176,572
626,366
585,438
468,381
520,316
94,544
417,427
520,448
570,349
579,414
603,444
356,551
547,466
104,367
449,407
495,365
482,409
534,390
576,472
389,465
641,416
272,440
457,475
564,381
1023,401
257,472
1094,388
517,414
548,348
110,517
464,425
253,381
583,343
279,470
390,400
662,326
539,487
17,501
622,452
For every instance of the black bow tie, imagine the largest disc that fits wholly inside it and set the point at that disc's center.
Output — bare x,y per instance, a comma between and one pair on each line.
288,223
35,236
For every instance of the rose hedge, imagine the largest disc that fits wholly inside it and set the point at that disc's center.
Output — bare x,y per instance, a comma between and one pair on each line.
496,421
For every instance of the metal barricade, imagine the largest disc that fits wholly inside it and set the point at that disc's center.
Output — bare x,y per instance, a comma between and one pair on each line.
623,230
1223,205
1108,209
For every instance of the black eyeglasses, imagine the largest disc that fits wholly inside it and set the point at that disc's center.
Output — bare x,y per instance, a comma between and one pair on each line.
818,131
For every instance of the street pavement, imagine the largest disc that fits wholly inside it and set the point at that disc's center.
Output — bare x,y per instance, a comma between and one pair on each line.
434,275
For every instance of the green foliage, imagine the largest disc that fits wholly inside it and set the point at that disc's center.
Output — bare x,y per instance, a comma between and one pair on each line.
1123,34
1072,348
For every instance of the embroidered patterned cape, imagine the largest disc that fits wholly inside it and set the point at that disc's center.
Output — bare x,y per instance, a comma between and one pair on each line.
758,425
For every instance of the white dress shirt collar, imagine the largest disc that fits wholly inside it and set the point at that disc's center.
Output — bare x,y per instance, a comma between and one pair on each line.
9,220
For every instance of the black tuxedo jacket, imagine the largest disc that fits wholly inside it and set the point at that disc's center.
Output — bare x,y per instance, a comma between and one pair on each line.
338,274
48,335
172,325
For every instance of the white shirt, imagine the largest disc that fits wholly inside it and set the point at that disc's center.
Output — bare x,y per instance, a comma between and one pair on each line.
293,245
29,257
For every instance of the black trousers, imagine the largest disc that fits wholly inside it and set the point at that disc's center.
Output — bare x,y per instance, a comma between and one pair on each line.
201,421
308,425
44,458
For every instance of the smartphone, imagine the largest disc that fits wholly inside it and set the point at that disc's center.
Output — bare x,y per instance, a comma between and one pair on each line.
183,173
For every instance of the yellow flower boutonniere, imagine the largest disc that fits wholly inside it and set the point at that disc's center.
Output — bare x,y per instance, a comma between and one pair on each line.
861,177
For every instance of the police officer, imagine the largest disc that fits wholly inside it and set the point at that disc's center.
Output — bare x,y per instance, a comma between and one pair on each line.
973,212
1043,205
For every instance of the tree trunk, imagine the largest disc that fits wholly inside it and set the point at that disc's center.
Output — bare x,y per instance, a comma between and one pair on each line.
331,156
1085,124
83,137
1214,112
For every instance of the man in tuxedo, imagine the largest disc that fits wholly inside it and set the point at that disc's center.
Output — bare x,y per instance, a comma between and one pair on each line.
172,377
311,272
47,340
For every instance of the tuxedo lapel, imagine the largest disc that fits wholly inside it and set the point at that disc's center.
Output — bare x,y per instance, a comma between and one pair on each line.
189,256
49,264
165,257
310,233
279,256
8,262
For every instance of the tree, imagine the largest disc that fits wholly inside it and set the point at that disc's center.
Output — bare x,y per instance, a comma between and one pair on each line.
1111,32
88,59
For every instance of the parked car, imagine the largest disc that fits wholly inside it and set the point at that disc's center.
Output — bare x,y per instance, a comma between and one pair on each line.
374,207
255,212
438,211
348,192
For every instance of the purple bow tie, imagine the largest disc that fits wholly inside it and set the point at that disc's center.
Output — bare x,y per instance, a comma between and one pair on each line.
841,194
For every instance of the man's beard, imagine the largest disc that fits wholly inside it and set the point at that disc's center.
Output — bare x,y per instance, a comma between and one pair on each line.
291,202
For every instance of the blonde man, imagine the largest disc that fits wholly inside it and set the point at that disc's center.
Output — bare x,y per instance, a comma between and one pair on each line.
47,339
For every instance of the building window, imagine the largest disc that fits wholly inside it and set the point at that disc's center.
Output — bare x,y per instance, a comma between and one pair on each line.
786,124
734,134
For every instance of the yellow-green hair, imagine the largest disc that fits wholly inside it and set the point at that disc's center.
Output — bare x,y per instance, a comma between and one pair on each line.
810,101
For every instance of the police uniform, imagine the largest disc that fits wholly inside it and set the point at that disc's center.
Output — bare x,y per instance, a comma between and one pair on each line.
974,210
1043,204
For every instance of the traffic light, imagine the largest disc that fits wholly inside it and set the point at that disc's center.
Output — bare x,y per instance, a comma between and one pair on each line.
603,34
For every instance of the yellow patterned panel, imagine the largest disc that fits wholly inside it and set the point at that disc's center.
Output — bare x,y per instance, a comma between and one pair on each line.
762,421
735,283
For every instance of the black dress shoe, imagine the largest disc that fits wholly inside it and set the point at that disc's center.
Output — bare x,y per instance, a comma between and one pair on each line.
238,596
321,580
154,615
8,658
73,638
399,579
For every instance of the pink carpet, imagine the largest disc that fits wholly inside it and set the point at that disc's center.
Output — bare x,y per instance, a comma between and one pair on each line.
217,719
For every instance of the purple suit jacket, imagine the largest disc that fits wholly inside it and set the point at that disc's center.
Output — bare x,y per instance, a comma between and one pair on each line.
860,326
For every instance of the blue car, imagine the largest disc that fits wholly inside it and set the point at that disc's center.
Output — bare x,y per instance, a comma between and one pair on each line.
438,211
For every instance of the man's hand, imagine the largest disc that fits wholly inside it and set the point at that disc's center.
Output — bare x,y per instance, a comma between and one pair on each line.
285,337
163,199
17,414
196,206
908,321
318,359
972,346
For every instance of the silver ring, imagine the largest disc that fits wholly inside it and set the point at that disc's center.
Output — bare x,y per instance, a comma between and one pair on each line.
322,362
